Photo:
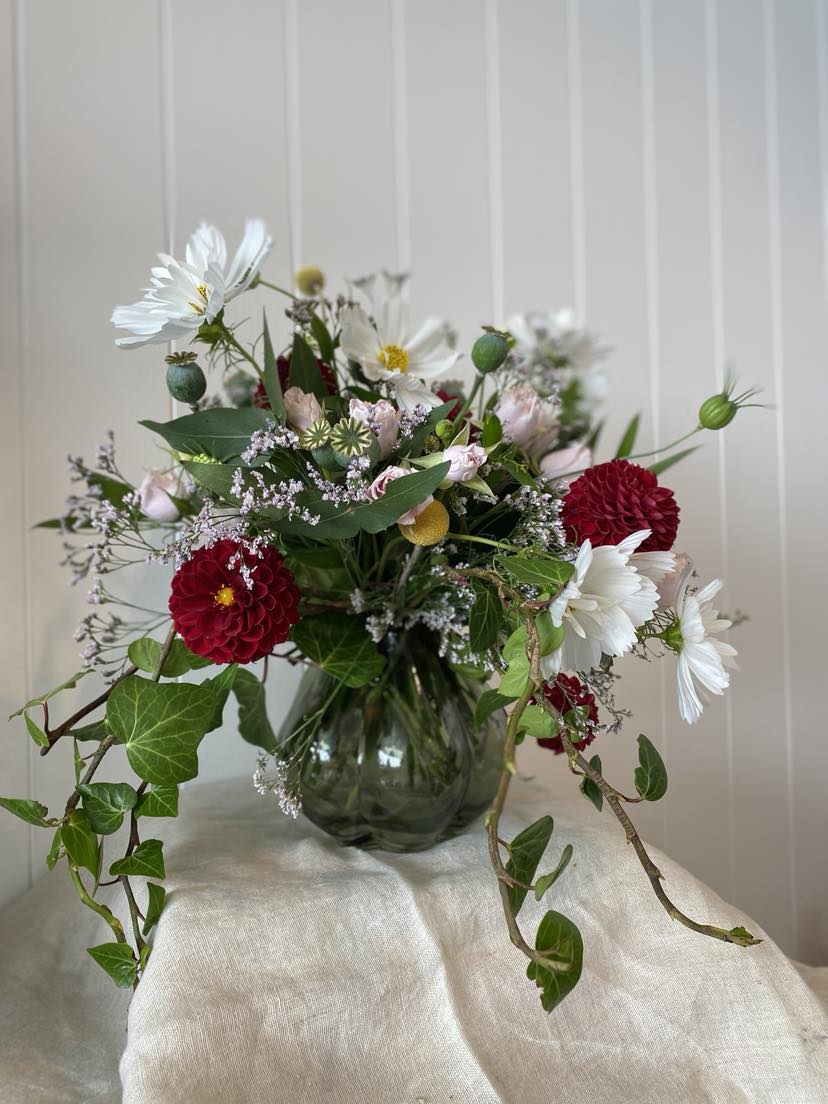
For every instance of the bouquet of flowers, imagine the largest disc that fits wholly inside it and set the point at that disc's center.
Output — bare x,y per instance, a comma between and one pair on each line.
448,556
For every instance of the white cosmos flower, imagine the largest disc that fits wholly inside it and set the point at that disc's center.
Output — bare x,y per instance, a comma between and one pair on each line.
184,294
391,352
702,660
611,594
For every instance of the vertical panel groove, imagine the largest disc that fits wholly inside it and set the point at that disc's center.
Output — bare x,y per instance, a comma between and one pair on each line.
399,94
494,135
21,238
822,118
777,322
167,112
714,183
576,143
293,151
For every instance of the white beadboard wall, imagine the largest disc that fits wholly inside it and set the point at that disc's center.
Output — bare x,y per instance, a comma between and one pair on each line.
660,165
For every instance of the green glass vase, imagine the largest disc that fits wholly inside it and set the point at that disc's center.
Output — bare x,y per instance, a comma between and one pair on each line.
398,764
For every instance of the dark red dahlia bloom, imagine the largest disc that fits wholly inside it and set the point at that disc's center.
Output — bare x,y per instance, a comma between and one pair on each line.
610,501
218,616
564,694
260,398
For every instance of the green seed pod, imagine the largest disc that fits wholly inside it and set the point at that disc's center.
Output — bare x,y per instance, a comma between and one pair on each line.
185,379
240,387
445,429
489,352
717,411
349,439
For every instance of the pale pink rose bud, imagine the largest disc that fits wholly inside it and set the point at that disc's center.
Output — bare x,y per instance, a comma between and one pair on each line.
155,490
301,408
671,586
564,464
382,419
526,418
380,486
465,460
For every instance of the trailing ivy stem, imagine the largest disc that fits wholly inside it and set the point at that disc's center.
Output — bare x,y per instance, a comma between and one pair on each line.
70,723
165,651
96,906
74,797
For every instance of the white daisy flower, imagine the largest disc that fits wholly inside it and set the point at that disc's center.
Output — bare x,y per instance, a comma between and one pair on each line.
184,294
390,352
553,347
611,594
702,660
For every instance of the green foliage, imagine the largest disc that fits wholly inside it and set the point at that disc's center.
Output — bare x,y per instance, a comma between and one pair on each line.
417,440
118,961
35,731
160,801
560,941
156,895
271,376
546,881
253,723
492,431
535,721
220,432
304,370
27,809
216,478
161,725
588,787
547,573
96,731
322,338
627,443
55,850
105,804
220,686
662,465
339,644
80,842
146,861
485,616
651,774
525,852
489,702
145,652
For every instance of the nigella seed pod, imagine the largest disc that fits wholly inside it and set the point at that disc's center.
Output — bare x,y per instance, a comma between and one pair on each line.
489,352
185,379
717,411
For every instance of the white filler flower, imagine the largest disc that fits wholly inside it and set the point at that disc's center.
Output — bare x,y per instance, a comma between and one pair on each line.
611,594
184,294
390,352
702,660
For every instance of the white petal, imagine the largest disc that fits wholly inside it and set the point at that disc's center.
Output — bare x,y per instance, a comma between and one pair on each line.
690,706
629,544
655,565
254,247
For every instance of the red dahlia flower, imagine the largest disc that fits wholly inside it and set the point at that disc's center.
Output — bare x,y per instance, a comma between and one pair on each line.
610,501
220,617
260,398
564,694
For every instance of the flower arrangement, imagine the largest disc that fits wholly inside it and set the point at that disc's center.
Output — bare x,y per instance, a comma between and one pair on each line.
342,493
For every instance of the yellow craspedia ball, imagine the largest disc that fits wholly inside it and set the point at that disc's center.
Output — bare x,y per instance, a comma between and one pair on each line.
429,527
309,280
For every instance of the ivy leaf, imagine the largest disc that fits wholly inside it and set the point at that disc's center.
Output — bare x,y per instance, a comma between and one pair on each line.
145,652
80,842
105,804
253,723
525,852
118,961
485,617
514,678
36,732
489,702
161,726
271,376
588,787
220,686
548,574
95,731
70,684
550,635
161,801
155,904
543,883
339,644
651,775
27,809
628,440
223,433
535,721
54,851
559,940
146,861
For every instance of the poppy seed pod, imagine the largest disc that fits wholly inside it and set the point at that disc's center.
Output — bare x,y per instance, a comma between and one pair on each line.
185,379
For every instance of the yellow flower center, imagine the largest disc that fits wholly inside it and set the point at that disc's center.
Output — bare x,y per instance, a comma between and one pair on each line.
200,308
428,527
394,358
224,597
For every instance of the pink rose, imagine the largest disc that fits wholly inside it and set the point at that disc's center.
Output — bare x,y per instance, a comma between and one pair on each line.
671,586
155,490
301,409
465,460
380,486
527,419
564,463
382,419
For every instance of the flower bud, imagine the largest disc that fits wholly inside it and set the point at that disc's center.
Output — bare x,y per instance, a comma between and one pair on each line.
489,352
185,379
717,411
302,408
464,461
157,491
445,429
309,280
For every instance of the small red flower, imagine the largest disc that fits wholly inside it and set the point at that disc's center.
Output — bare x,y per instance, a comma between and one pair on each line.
564,694
610,501
218,616
260,398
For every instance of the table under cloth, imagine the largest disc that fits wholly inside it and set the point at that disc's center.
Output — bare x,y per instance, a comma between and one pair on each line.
289,969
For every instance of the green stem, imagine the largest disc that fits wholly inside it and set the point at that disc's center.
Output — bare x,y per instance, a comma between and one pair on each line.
464,409
480,540
275,287
233,343
101,910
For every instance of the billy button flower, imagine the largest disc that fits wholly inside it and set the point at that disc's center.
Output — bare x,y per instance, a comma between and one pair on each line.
309,280
428,527
719,410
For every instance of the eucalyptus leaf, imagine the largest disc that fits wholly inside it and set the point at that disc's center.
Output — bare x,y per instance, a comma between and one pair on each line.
160,801
340,645
485,617
559,940
118,961
146,861
254,727
547,880
156,895
80,842
525,852
105,804
216,478
651,774
223,433
161,725
548,574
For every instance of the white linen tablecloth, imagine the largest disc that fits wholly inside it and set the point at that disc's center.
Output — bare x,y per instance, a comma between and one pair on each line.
289,969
